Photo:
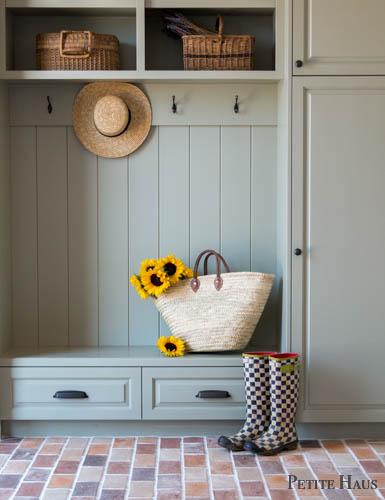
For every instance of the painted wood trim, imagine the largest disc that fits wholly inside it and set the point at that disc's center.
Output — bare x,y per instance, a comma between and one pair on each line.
67,4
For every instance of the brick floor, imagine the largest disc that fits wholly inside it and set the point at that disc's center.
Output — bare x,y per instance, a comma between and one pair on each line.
170,468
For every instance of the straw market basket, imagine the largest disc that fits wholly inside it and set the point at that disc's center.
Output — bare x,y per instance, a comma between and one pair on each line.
215,312
218,52
77,50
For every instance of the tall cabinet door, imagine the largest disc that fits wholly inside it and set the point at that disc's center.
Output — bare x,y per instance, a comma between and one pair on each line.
339,37
338,281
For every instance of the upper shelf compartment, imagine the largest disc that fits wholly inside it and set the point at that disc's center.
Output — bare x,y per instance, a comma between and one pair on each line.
147,53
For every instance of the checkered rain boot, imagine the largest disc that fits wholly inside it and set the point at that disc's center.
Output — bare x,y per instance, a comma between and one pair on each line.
284,381
257,389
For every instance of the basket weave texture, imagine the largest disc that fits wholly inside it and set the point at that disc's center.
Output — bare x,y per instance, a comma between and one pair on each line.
218,52
77,50
212,320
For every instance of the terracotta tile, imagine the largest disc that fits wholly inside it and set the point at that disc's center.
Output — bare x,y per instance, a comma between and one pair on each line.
312,493
148,449
316,455
72,454
330,477
334,446
226,495
315,497
145,461
193,440
309,443
143,474
122,454
44,461
6,494
282,495
3,459
221,468
124,442
118,468
102,440
382,493
170,442
169,454
364,453
16,467
7,449
356,443
66,467
343,459
56,439
379,446
77,443
58,481
30,490
271,468
9,480
294,461
26,454
37,474
364,494
226,481
253,489
380,478
90,474
95,460
248,474
169,467
196,448
276,481
115,481
195,474
85,489
56,494
212,443
219,454
112,495
98,449
195,489
142,489
51,449
33,443
262,458
373,466
244,461
168,481
194,460
355,472
337,495
148,440
169,495
301,473
323,467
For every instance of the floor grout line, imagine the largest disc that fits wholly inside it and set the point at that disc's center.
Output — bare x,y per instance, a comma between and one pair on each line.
102,479
129,482
209,478
333,462
44,490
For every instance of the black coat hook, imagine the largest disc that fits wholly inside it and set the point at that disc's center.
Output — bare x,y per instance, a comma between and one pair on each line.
236,105
173,104
49,105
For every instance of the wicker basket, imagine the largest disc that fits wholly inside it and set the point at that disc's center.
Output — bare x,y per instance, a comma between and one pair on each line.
77,50
218,52
215,312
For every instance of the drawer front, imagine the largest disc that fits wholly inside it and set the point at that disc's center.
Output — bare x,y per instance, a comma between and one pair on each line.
112,393
171,393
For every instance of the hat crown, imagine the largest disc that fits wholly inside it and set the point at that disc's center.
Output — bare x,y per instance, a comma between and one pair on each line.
111,115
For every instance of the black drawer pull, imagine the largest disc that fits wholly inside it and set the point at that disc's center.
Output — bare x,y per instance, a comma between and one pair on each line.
70,395
213,394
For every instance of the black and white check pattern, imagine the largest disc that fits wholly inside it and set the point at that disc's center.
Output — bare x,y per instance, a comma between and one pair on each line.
257,390
284,380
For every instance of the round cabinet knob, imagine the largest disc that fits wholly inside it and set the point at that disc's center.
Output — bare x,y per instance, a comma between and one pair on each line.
299,63
297,251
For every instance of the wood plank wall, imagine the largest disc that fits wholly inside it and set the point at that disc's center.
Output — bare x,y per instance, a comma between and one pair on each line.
82,224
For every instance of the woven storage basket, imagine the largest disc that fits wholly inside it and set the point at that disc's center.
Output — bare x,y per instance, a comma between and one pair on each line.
218,52
215,312
77,50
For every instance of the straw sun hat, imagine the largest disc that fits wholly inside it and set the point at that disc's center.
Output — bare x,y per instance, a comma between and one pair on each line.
111,119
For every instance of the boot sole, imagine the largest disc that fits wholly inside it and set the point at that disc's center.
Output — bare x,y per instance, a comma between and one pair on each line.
228,445
267,453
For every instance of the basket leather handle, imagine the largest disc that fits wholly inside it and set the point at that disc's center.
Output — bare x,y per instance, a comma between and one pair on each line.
205,271
76,53
220,25
218,282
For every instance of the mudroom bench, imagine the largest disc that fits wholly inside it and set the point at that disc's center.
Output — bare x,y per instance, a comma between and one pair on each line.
119,383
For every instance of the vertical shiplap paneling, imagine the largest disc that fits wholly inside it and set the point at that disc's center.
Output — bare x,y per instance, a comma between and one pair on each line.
204,191
143,236
113,251
24,237
52,235
174,232
235,196
263,223
82,244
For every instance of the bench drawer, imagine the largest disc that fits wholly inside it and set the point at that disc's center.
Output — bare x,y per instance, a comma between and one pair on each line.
171,393
108,393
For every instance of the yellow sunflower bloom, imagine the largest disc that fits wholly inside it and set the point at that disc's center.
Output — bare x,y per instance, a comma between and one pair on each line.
188,273
173,268
155,281
135,281
171,346
147,265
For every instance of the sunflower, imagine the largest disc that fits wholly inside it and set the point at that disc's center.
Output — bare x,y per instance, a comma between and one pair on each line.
147,265
135,281
171,346
173,268
187,273
155,281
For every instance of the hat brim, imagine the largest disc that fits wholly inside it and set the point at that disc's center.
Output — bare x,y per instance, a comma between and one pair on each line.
129,140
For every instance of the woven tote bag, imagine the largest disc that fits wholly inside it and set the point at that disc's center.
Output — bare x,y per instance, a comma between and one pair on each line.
215,312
